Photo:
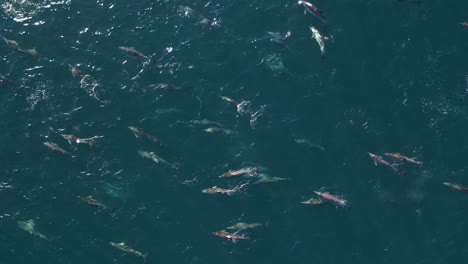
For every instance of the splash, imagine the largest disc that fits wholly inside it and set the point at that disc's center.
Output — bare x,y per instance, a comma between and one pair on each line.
30,227
36,97
20,10
255,117
90,84
114,190
245,108
274,62
5,185
276,37
23,10
187,11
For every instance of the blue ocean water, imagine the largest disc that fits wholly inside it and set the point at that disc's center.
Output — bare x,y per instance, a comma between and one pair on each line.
393,79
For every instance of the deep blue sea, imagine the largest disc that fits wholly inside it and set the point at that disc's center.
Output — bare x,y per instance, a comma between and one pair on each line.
393,78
